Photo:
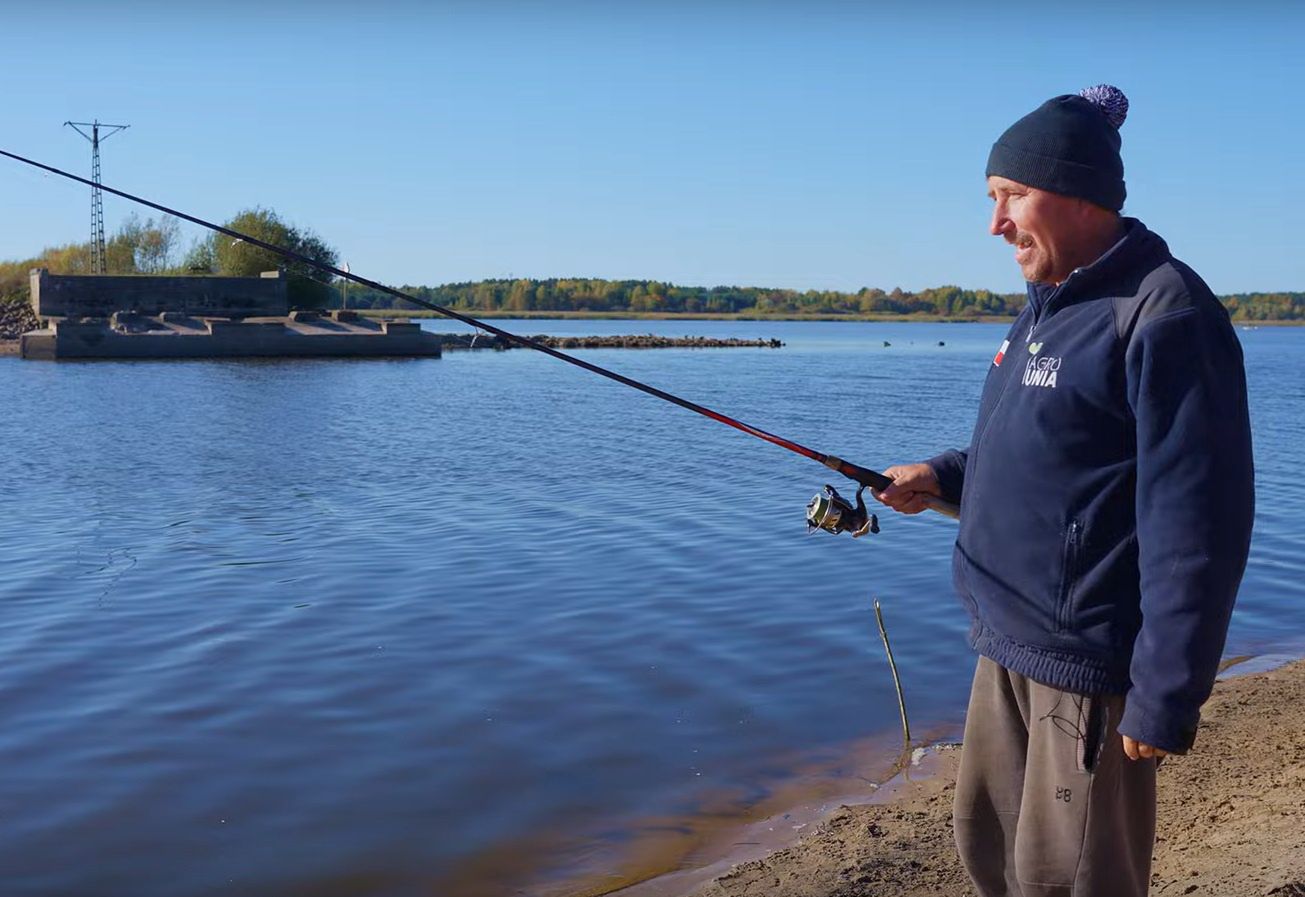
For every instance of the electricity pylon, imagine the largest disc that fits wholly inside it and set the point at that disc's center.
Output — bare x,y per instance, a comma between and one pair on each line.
98,261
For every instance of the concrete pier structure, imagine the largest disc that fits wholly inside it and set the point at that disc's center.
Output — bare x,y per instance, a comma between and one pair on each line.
100,295
201,317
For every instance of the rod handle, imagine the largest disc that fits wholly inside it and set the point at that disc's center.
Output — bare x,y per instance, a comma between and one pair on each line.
943,507
863,475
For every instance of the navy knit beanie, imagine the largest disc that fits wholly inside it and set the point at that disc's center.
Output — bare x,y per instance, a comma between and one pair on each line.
1068,145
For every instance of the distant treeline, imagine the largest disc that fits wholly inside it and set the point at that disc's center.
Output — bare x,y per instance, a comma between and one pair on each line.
1265,306
153,246
654,296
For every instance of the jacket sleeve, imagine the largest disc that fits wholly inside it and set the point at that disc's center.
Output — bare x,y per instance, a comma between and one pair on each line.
1195,506
949,469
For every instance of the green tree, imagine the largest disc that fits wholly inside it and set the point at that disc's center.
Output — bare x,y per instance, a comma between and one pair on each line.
639,299
142,247
238,258
199,258
308,285
521,296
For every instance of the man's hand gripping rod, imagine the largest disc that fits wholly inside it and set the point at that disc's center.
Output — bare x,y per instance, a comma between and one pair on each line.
832,513
879,482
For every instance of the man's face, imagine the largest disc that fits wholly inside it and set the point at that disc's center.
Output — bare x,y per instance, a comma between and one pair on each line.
1046,229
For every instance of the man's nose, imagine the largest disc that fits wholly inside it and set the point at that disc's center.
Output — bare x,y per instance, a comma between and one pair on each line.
1001,222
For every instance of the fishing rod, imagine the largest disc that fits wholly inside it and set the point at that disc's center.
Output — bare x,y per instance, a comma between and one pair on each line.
828,511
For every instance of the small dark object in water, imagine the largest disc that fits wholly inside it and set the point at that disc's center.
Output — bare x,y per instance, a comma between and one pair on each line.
887,344
941,343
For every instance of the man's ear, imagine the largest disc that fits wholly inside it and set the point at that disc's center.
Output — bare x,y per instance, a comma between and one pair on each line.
1087,211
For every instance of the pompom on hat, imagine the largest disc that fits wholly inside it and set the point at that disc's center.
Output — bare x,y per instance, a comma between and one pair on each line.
1068,145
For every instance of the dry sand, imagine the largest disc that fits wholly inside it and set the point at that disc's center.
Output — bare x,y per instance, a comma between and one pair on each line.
1231,817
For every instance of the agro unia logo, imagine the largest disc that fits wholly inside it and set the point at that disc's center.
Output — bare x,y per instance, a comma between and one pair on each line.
1041,370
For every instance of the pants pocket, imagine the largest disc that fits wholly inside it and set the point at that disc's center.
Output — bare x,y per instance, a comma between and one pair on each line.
1093,722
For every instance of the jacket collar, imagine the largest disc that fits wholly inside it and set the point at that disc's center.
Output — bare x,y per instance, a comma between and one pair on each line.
1137,245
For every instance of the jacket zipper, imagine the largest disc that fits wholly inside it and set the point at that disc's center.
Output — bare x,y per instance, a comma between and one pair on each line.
1069,570
1005,387
1038,313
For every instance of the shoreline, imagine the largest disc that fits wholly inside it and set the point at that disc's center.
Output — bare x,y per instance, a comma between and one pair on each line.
921,772
749,317
1229,816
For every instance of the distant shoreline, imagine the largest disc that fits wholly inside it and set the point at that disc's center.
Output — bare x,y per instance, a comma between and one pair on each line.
729,316
683,316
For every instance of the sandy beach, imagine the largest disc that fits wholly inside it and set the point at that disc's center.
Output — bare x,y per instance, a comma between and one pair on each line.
1231,818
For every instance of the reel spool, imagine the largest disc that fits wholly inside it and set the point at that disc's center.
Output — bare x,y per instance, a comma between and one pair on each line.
832,513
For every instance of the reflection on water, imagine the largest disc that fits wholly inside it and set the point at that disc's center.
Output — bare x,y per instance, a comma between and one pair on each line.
451,625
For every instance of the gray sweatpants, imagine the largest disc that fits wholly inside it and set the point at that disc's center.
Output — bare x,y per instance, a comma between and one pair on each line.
1047,804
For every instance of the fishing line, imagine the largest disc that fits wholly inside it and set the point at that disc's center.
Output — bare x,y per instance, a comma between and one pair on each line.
829,512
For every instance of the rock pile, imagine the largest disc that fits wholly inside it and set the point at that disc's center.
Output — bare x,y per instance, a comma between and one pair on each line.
646,341
16,318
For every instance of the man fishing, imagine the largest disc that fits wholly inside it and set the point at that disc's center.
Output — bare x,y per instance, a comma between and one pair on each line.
1106,506
1106,501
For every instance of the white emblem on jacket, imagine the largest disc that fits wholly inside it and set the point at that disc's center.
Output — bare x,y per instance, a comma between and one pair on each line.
1041,371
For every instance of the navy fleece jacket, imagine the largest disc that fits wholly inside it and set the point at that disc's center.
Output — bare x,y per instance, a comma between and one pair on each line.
1107,494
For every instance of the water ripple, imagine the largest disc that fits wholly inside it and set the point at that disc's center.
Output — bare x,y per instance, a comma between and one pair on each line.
354,628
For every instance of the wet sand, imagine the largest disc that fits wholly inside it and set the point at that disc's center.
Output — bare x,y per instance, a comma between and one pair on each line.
1231,818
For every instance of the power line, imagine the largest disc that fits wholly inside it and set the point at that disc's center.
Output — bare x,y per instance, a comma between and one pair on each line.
98,261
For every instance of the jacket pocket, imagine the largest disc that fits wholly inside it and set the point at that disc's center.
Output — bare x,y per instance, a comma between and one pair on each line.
1068,575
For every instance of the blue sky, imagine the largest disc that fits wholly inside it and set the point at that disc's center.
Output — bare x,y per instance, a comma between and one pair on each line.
806,145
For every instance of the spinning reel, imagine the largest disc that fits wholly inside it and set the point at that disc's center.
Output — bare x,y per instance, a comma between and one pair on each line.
832,513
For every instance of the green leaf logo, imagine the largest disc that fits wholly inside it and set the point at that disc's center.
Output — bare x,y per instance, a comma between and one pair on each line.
1035,348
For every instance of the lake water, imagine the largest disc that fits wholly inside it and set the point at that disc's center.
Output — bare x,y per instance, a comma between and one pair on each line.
488,622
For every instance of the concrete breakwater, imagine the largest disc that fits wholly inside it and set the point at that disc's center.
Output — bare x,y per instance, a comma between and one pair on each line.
342,334
642,341
145,316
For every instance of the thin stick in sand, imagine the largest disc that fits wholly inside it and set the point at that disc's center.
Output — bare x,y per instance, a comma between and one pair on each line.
892,664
